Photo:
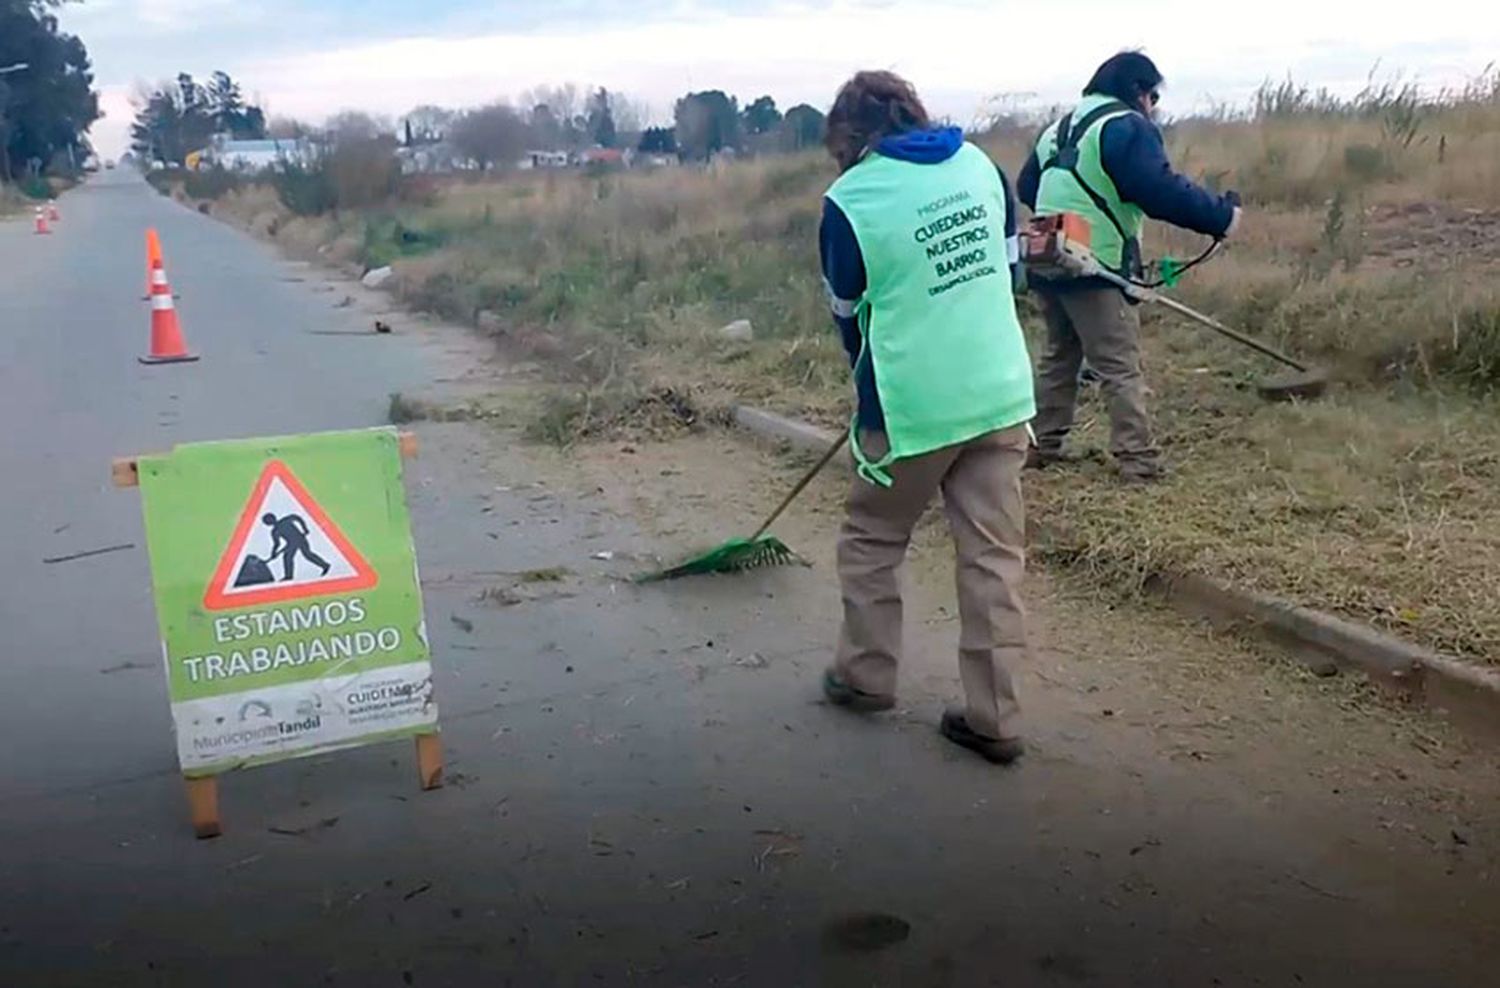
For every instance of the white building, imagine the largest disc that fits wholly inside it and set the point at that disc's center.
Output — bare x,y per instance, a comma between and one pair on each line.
254,156
545,159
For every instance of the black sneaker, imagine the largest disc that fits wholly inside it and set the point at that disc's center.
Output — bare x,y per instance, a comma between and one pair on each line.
841,694
1001,751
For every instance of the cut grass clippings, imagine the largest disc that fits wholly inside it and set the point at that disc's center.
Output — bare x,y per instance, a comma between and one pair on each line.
1381,508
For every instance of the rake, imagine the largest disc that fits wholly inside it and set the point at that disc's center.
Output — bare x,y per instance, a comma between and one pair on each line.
757,551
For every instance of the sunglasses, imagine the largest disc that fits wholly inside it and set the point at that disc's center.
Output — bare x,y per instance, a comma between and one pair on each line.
1154,96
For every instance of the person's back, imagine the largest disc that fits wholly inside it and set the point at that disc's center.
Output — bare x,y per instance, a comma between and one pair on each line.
915,243
932,238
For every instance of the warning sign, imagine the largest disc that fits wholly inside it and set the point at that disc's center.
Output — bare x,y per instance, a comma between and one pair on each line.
287,594
284,547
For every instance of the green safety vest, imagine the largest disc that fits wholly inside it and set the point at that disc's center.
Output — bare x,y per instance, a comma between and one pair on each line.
1074,181
938,319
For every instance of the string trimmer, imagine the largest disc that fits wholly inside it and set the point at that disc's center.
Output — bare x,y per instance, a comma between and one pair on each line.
1058,246
760,549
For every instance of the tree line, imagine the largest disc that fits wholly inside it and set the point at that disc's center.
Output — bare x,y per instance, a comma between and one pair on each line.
176,118
47,99
566,119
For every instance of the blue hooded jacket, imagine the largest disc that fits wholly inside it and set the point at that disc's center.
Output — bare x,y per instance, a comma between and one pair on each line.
844,265
1135,158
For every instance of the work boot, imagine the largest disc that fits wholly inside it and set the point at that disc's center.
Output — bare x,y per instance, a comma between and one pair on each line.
841,694
1141,473
999,751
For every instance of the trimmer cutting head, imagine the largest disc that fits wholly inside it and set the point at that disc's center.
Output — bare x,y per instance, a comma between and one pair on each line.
1294,386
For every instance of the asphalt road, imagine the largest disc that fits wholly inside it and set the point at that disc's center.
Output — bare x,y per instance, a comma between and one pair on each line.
642,787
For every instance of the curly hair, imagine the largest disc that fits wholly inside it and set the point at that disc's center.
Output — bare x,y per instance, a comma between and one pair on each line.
870,106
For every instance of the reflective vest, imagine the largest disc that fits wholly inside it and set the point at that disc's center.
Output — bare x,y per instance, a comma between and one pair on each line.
1074,181
937,319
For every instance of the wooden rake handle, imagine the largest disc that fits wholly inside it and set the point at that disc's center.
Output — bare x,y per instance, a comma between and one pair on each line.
807,478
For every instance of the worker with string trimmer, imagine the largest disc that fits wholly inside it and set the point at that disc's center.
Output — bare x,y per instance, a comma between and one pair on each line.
1105,161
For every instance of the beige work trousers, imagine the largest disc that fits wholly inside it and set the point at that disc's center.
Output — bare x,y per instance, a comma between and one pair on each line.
1097,324
980,482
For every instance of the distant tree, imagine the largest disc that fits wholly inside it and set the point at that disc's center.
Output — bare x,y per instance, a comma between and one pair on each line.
47,107
231,115
177,118
494,135
707,122
288,129
601,119
544,128
762,117
356,125
428,124
631,118
556,117
802,128
658,140
172,120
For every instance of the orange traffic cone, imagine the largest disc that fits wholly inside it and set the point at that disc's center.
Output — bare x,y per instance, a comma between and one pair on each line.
153,257
167,346
52,213
41,221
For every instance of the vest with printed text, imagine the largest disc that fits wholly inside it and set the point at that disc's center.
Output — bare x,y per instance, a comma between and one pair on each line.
938,318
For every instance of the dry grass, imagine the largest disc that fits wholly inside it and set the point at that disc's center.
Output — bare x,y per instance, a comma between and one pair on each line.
1372,245
1381,507
13,203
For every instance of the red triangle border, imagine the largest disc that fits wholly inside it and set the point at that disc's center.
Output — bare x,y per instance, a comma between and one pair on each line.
364,578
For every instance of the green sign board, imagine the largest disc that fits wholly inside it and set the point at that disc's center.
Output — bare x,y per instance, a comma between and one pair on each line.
287,594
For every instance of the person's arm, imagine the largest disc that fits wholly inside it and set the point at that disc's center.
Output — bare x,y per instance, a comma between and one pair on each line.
1135,158
1030,180
843,274
1012,238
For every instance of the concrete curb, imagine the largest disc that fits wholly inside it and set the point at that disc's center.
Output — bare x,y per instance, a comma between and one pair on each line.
1466,693
769,425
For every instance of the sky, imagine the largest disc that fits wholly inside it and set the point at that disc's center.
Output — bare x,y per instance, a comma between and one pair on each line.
312,59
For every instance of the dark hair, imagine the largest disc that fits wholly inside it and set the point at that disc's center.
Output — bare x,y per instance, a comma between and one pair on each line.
1127,77
868,107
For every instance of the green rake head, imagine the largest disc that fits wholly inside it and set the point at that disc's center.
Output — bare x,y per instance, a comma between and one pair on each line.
734,556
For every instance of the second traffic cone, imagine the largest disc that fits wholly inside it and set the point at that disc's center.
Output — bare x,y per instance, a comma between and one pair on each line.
41,221
52,213
167,345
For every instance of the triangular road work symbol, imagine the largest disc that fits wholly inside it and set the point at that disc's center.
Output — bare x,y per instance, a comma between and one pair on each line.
284,547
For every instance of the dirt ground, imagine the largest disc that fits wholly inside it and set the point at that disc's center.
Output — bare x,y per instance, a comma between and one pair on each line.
1164,686
1185,690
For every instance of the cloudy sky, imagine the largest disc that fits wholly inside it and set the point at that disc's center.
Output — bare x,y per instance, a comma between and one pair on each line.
311,59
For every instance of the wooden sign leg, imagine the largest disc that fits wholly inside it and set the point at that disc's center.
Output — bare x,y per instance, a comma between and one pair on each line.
429,761
203,806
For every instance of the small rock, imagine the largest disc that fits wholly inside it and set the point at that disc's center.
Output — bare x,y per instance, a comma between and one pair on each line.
376,277
740,331
487,321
